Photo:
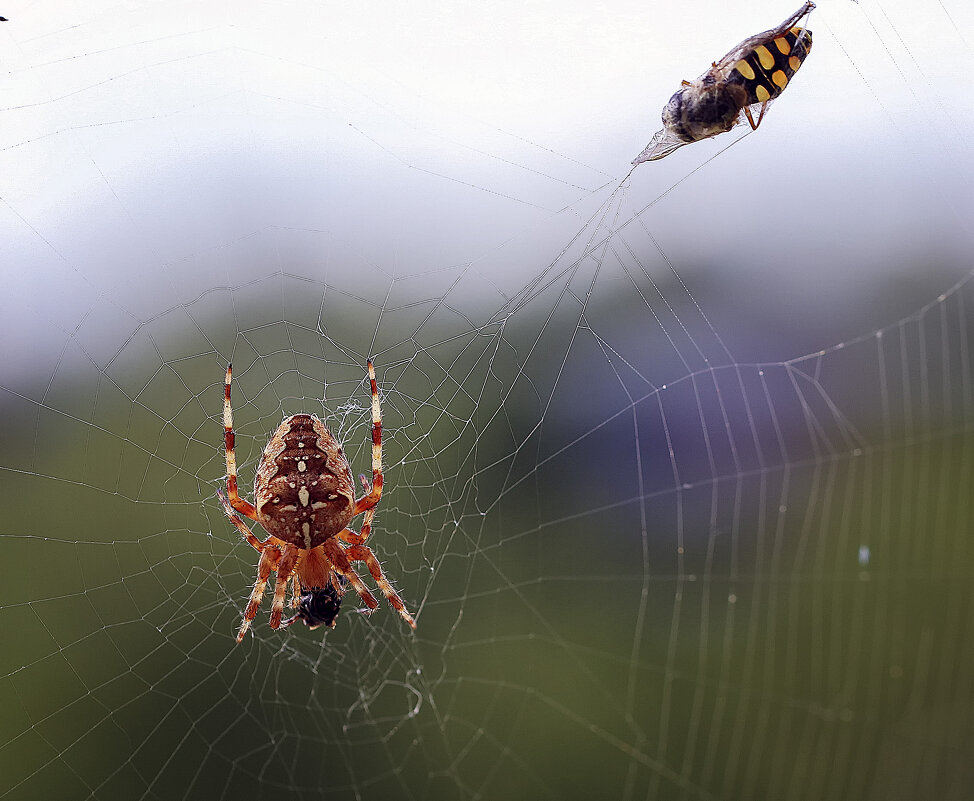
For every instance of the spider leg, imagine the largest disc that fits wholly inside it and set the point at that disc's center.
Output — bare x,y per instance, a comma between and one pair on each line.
369,500
236,501
349,536
285,624
362,553
241,526
295,592
269,559
289,562
340,564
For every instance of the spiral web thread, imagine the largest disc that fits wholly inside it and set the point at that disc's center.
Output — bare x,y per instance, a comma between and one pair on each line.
631,548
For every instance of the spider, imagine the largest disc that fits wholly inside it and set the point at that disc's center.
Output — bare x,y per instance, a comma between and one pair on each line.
305,498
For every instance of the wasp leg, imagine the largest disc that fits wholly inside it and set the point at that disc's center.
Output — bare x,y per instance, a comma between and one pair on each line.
764,107
750,119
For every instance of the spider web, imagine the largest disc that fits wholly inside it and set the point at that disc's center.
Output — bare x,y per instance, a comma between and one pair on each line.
678,467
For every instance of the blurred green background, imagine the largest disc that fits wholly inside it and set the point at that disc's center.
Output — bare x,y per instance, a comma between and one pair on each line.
752,583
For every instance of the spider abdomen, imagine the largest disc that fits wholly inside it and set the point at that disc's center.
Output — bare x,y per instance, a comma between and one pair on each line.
304,490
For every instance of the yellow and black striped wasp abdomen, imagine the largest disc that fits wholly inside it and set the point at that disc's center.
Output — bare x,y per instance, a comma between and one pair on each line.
765,70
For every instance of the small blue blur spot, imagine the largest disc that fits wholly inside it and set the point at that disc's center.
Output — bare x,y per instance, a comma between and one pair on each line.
863,555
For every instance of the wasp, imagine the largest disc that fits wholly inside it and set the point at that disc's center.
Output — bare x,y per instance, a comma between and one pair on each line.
747,79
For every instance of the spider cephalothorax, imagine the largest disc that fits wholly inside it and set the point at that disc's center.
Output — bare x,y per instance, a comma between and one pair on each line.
305,498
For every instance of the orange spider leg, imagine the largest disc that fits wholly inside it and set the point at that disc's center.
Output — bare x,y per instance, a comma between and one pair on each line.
286,624
369,500
241,526
349,536
269,559
362,553
336,555
236,501
289,563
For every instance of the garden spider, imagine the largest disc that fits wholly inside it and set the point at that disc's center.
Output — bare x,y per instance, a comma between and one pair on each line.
304,499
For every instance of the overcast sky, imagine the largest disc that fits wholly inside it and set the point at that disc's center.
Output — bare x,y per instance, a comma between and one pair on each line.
139,140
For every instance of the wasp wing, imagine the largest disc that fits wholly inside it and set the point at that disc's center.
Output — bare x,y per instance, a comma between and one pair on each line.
665,142
662,144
